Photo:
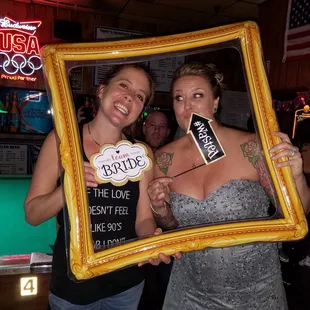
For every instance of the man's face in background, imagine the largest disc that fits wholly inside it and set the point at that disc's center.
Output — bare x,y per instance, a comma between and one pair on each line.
155,129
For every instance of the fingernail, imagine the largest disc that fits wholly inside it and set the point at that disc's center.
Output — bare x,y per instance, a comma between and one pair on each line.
172,179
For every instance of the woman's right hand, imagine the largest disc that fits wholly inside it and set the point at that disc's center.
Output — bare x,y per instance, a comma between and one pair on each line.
158,191
89,175
161,257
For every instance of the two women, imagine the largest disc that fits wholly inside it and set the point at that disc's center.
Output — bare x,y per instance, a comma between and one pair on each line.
233,188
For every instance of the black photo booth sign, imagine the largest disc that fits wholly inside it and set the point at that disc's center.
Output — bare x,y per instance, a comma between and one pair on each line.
206,139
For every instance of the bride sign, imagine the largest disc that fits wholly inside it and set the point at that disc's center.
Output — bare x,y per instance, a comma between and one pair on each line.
121,163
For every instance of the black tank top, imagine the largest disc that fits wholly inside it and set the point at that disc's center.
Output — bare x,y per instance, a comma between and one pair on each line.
113,214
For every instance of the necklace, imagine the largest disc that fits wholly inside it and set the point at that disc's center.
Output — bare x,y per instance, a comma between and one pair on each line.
92,136
94,139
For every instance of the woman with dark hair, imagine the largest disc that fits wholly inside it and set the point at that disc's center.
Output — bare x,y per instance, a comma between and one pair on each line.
122,96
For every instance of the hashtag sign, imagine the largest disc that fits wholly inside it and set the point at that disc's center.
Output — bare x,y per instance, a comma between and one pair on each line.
206,139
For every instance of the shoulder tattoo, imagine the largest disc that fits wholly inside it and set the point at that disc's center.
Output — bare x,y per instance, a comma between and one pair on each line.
251,150
163,161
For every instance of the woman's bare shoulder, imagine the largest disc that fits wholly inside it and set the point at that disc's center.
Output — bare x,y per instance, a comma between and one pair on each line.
248,136
168,156
149,150
240,136
244,142
173,146
51,140
250,146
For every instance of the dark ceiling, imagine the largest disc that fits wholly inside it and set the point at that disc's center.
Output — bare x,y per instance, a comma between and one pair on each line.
187,13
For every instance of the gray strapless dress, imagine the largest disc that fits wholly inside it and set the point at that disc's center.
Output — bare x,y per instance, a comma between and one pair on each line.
241,277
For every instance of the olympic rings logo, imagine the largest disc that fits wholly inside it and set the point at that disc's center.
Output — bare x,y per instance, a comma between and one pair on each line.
20,64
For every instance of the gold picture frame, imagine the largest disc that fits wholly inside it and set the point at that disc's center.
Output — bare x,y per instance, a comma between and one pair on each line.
84,262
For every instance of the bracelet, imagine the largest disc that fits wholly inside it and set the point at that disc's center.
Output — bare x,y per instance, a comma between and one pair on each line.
165,207
153,209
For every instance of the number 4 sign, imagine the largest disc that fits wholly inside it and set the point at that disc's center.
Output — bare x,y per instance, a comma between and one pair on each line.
28,286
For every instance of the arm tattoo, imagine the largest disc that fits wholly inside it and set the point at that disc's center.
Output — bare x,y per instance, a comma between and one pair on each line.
251,150
164,160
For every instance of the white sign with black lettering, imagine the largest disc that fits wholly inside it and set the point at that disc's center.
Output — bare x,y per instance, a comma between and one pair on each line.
120,163
13,159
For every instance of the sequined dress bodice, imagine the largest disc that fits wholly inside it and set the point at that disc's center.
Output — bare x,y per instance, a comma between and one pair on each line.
241,277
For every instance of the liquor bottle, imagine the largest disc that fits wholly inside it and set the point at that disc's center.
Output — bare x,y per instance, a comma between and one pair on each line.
7,107
3,113
14,115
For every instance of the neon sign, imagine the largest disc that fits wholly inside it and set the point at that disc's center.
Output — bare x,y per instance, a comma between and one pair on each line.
19,49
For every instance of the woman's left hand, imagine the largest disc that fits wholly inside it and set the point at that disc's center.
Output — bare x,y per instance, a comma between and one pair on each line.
89,175
286,148
162,258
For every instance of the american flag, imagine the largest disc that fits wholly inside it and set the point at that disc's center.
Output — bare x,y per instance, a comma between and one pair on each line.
297,35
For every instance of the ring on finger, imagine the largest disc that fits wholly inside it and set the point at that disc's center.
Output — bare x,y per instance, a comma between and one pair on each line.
293,153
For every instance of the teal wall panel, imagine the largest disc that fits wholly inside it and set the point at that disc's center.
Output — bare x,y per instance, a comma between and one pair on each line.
17,236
